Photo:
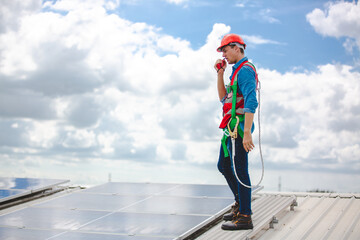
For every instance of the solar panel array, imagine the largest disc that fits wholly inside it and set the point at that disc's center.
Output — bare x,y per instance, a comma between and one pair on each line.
11,188
125,211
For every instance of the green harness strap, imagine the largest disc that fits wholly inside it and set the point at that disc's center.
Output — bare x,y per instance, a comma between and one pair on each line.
233,121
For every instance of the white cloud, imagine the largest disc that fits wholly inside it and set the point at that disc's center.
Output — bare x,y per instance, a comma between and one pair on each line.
80,138
350,45
221,29
106,140
112,4
247,3
258,40
177,2
315,110
12,11
340,19
265,15
170,44
78,5
42,134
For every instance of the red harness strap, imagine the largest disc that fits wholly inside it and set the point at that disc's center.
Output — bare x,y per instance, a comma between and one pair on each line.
236,71
228,106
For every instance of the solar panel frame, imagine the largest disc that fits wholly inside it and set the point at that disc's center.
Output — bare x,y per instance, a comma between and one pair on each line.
101,236
19,187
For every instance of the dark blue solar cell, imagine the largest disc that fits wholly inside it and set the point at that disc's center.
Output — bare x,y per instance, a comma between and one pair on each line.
132,188
107,236
5,193
90,201
7,233
200,191
181,205
49,218
145,224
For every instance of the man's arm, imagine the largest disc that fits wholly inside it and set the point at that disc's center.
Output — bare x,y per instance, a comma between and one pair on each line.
247,140
220,79
220,84
248,89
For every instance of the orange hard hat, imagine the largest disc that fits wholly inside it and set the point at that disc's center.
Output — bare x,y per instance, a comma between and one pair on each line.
230,38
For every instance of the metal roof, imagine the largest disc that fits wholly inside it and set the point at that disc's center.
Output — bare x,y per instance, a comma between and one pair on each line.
316,216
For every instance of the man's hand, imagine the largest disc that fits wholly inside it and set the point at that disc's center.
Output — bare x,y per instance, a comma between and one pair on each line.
247,141
220,65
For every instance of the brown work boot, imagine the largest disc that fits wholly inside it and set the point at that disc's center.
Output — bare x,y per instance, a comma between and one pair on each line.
240,222
234,211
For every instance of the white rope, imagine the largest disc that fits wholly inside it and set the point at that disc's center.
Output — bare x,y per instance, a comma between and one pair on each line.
261,156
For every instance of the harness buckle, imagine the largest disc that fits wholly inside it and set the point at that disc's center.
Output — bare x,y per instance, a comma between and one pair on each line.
233,134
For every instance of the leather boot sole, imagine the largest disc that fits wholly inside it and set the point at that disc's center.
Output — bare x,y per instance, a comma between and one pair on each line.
228,217
240,222
233,227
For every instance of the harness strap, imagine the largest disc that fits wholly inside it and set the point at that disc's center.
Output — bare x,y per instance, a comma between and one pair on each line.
236,72
223,142
234,121
234,98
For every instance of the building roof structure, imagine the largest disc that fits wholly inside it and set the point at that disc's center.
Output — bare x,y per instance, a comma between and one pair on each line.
134,211
313,216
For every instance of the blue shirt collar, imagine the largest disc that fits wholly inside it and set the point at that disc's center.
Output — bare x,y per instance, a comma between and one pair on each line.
239,62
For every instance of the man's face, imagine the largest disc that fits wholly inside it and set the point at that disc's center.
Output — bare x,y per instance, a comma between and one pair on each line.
230,54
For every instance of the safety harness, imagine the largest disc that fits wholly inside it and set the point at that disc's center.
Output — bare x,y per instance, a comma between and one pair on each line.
233,109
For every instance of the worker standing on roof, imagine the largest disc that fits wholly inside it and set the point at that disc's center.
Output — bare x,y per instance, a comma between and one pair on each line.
237,122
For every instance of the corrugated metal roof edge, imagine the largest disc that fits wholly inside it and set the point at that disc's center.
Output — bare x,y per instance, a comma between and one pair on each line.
302,195
312,194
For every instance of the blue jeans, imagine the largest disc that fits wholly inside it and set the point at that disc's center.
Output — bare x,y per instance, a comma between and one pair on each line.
242,194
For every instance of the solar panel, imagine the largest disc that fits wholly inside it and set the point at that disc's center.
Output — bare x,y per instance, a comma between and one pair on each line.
131,188
11,188
180,205
12,233
121,211
99,202
7,233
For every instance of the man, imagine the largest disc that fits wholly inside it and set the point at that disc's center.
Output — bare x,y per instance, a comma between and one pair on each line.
241,111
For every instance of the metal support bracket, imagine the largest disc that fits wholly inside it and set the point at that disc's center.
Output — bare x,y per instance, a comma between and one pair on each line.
294,204
273,220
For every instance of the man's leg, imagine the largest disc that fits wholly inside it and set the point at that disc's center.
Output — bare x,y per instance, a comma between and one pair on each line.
224,166
243,219
241,166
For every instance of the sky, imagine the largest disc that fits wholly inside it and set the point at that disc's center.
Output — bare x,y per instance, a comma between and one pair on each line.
125,90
